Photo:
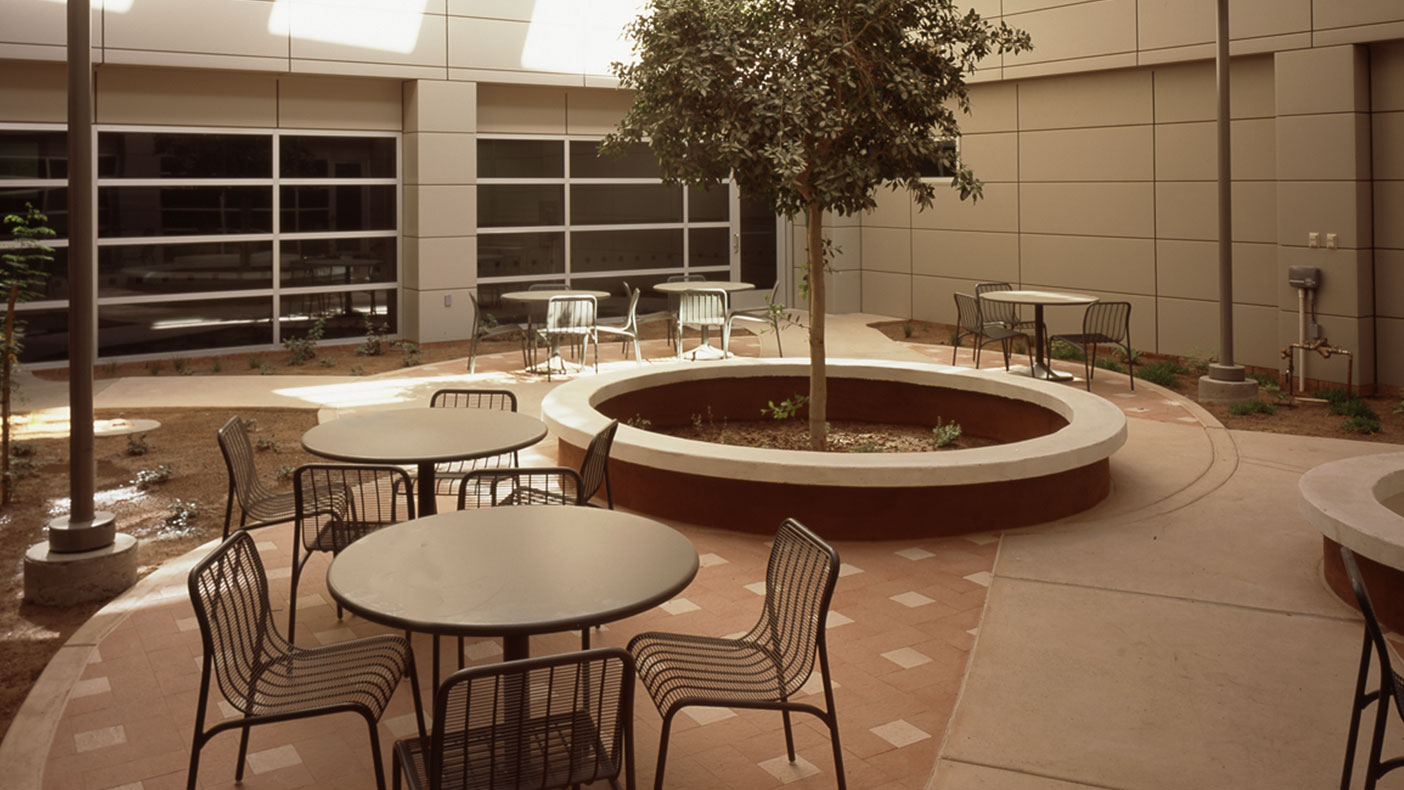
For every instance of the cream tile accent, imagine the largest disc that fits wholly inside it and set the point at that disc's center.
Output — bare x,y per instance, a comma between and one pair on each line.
983,578
339,103
848,570
997,210
982,538
1076,101
912,599
1120,153
756,587
705,716
899,733
914,553
887,250
835,619
815,684
1340,207
679,606
279,573
261,762
887,294
201,98
906,657
89,687
1323,147
334,636
1322,80
35,92
1088,209
540,110
973,631
1099,27
993,157
95,657
596,111
710,560
785,771
226,710
188,624
1078,262
101,738
402,726
976,255
308,601
265,545
224,28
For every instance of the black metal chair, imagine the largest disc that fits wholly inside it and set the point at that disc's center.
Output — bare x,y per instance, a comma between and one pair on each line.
541,723
485,326
1385,698
767,666
1104,322
970,321
255,499
447,474
268,679
545,485
337,504
1002,313
760,315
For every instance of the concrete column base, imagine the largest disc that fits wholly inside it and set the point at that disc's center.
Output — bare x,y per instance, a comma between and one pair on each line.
66,578
1213,390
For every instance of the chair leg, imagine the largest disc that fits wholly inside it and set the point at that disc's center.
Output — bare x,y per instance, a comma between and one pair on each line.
243,753
1089,363
1130,365
585,638
199,741
1372,768
1357,706
473,355
413,671
395,768
789,735
663,750
375,753
229,510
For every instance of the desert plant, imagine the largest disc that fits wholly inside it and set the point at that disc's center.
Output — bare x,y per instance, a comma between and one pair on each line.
1107,363
639,421
301,349
181,366
786,408
1199,361
944,434
908,329
250,424
374,344
136,444
1400,408
21,272
216,366
110,369
1062,349
255,363
327,362
267,444
1164,372
147,478
285,472
153,367
182,516
357,370
1131,357
1267,385
1364,425
1254,406
409,352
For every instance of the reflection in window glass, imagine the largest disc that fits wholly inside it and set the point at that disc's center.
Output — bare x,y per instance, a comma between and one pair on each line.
708,247
520,254
51,201
586,162
338,261
936,168
178,268
605,250
517,205
159,327
32,153
343,314
337,208
708,205
336,157
183,211
618,204
45,334
184,155
521,159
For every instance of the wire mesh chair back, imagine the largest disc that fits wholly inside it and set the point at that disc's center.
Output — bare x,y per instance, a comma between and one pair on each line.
338,504
571,314
549,722
229,590
702,306
239,461
996,312
799,584
1390,684
594,467
968,318
1106,322
508,486
447,474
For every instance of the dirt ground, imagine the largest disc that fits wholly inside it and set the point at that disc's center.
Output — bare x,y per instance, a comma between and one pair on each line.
845,436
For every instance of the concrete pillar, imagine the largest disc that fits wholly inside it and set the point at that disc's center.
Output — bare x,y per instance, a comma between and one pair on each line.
1323,188
440,222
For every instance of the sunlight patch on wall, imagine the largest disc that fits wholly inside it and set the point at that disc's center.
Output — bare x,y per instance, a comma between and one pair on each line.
385,25
570,36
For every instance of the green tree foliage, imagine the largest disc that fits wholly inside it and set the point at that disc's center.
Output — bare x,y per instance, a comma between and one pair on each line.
810,105
21,271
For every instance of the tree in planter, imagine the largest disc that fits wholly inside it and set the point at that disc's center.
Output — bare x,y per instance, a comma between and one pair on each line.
20,272
809,105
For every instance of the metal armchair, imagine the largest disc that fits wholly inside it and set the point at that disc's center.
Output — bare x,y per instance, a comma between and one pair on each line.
572,319
1386,697
703,308
1104,322
970,321
760,315
627,328
485,326
255,499
446,474
1002,313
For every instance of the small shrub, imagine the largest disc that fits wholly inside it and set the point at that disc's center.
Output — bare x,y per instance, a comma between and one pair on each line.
1164,372
136,444
147,478
374,344
267,444
301,349
640,422
182,367
285,472
357,370
1363,425
1254,406
908,329
1199,361
409,353
327,362
255,363
787,408
23,467
1133,357
1359,408
265,371
22,450
1400,408
182,516
1062,349
250,425
945,434
1267,385
1336,400
1109,364
110,369
154,368
217,366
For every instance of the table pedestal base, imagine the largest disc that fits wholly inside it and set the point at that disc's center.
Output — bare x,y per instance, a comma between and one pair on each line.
1041,372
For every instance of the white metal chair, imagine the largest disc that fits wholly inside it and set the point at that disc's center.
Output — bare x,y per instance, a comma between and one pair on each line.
761,315
570,318
703,308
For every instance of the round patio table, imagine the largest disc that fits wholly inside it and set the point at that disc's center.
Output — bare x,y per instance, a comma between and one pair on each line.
725,285
423,436
1039,300
512,572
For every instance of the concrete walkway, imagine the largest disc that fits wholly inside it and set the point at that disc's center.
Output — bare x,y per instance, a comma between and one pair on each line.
1176,636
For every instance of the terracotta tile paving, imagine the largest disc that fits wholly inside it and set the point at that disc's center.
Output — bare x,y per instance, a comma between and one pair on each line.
898,653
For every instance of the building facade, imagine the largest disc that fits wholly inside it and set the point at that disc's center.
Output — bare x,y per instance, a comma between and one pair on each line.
266,163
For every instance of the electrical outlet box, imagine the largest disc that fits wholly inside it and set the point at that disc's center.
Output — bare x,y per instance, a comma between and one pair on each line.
448,300
1313,239
1330,241
1308,277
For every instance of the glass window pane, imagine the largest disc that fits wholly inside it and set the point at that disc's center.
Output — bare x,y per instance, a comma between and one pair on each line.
708,205
338,261
184,155
618,204
184,268
344,314
518,254
586,162
183,211
45,334
31,153
52,201
514,205
336,157
708,247
337,208
491,302
159,327
758,241
611,250
521,159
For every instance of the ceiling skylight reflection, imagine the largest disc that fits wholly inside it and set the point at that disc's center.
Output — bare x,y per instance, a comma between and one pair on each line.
385,25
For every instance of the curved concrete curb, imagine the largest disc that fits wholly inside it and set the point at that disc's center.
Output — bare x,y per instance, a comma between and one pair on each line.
1345,501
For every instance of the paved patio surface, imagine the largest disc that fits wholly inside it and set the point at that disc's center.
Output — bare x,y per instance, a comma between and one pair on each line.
1178,635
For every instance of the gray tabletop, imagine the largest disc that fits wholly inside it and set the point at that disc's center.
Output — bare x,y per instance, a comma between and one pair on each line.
422,435
1037,298
545,296
512,571
724,285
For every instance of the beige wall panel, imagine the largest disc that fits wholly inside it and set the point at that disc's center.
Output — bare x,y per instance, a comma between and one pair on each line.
1186,92
316,103
1120,153
1098,27
34,92
432,158
966,254
216,27
1188,326
1102,99
440,106
1365,34
1387,76
887,294
993,157
1388,138
192,98
1024,6
438,210
1356,335
1389,207
436,323
439,263
1186,151
501,45
848,248
894,210
1340,207
997,210
1255,336
993,108
1190,270
1345,13
1189,210
1389,285
44,24
596,111
510,108
845,291
933,298
1082,262
493,9
1324,80
1334,146
1389,333
331,31
887,250
1169,23
1088,209
365,68
1347,279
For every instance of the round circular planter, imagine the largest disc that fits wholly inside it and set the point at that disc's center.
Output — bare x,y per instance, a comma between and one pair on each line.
1053,462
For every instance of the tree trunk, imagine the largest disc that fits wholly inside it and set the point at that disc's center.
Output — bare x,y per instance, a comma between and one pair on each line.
6,492
818,377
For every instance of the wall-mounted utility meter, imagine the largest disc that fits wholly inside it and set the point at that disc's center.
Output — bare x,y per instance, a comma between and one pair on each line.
1308,277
